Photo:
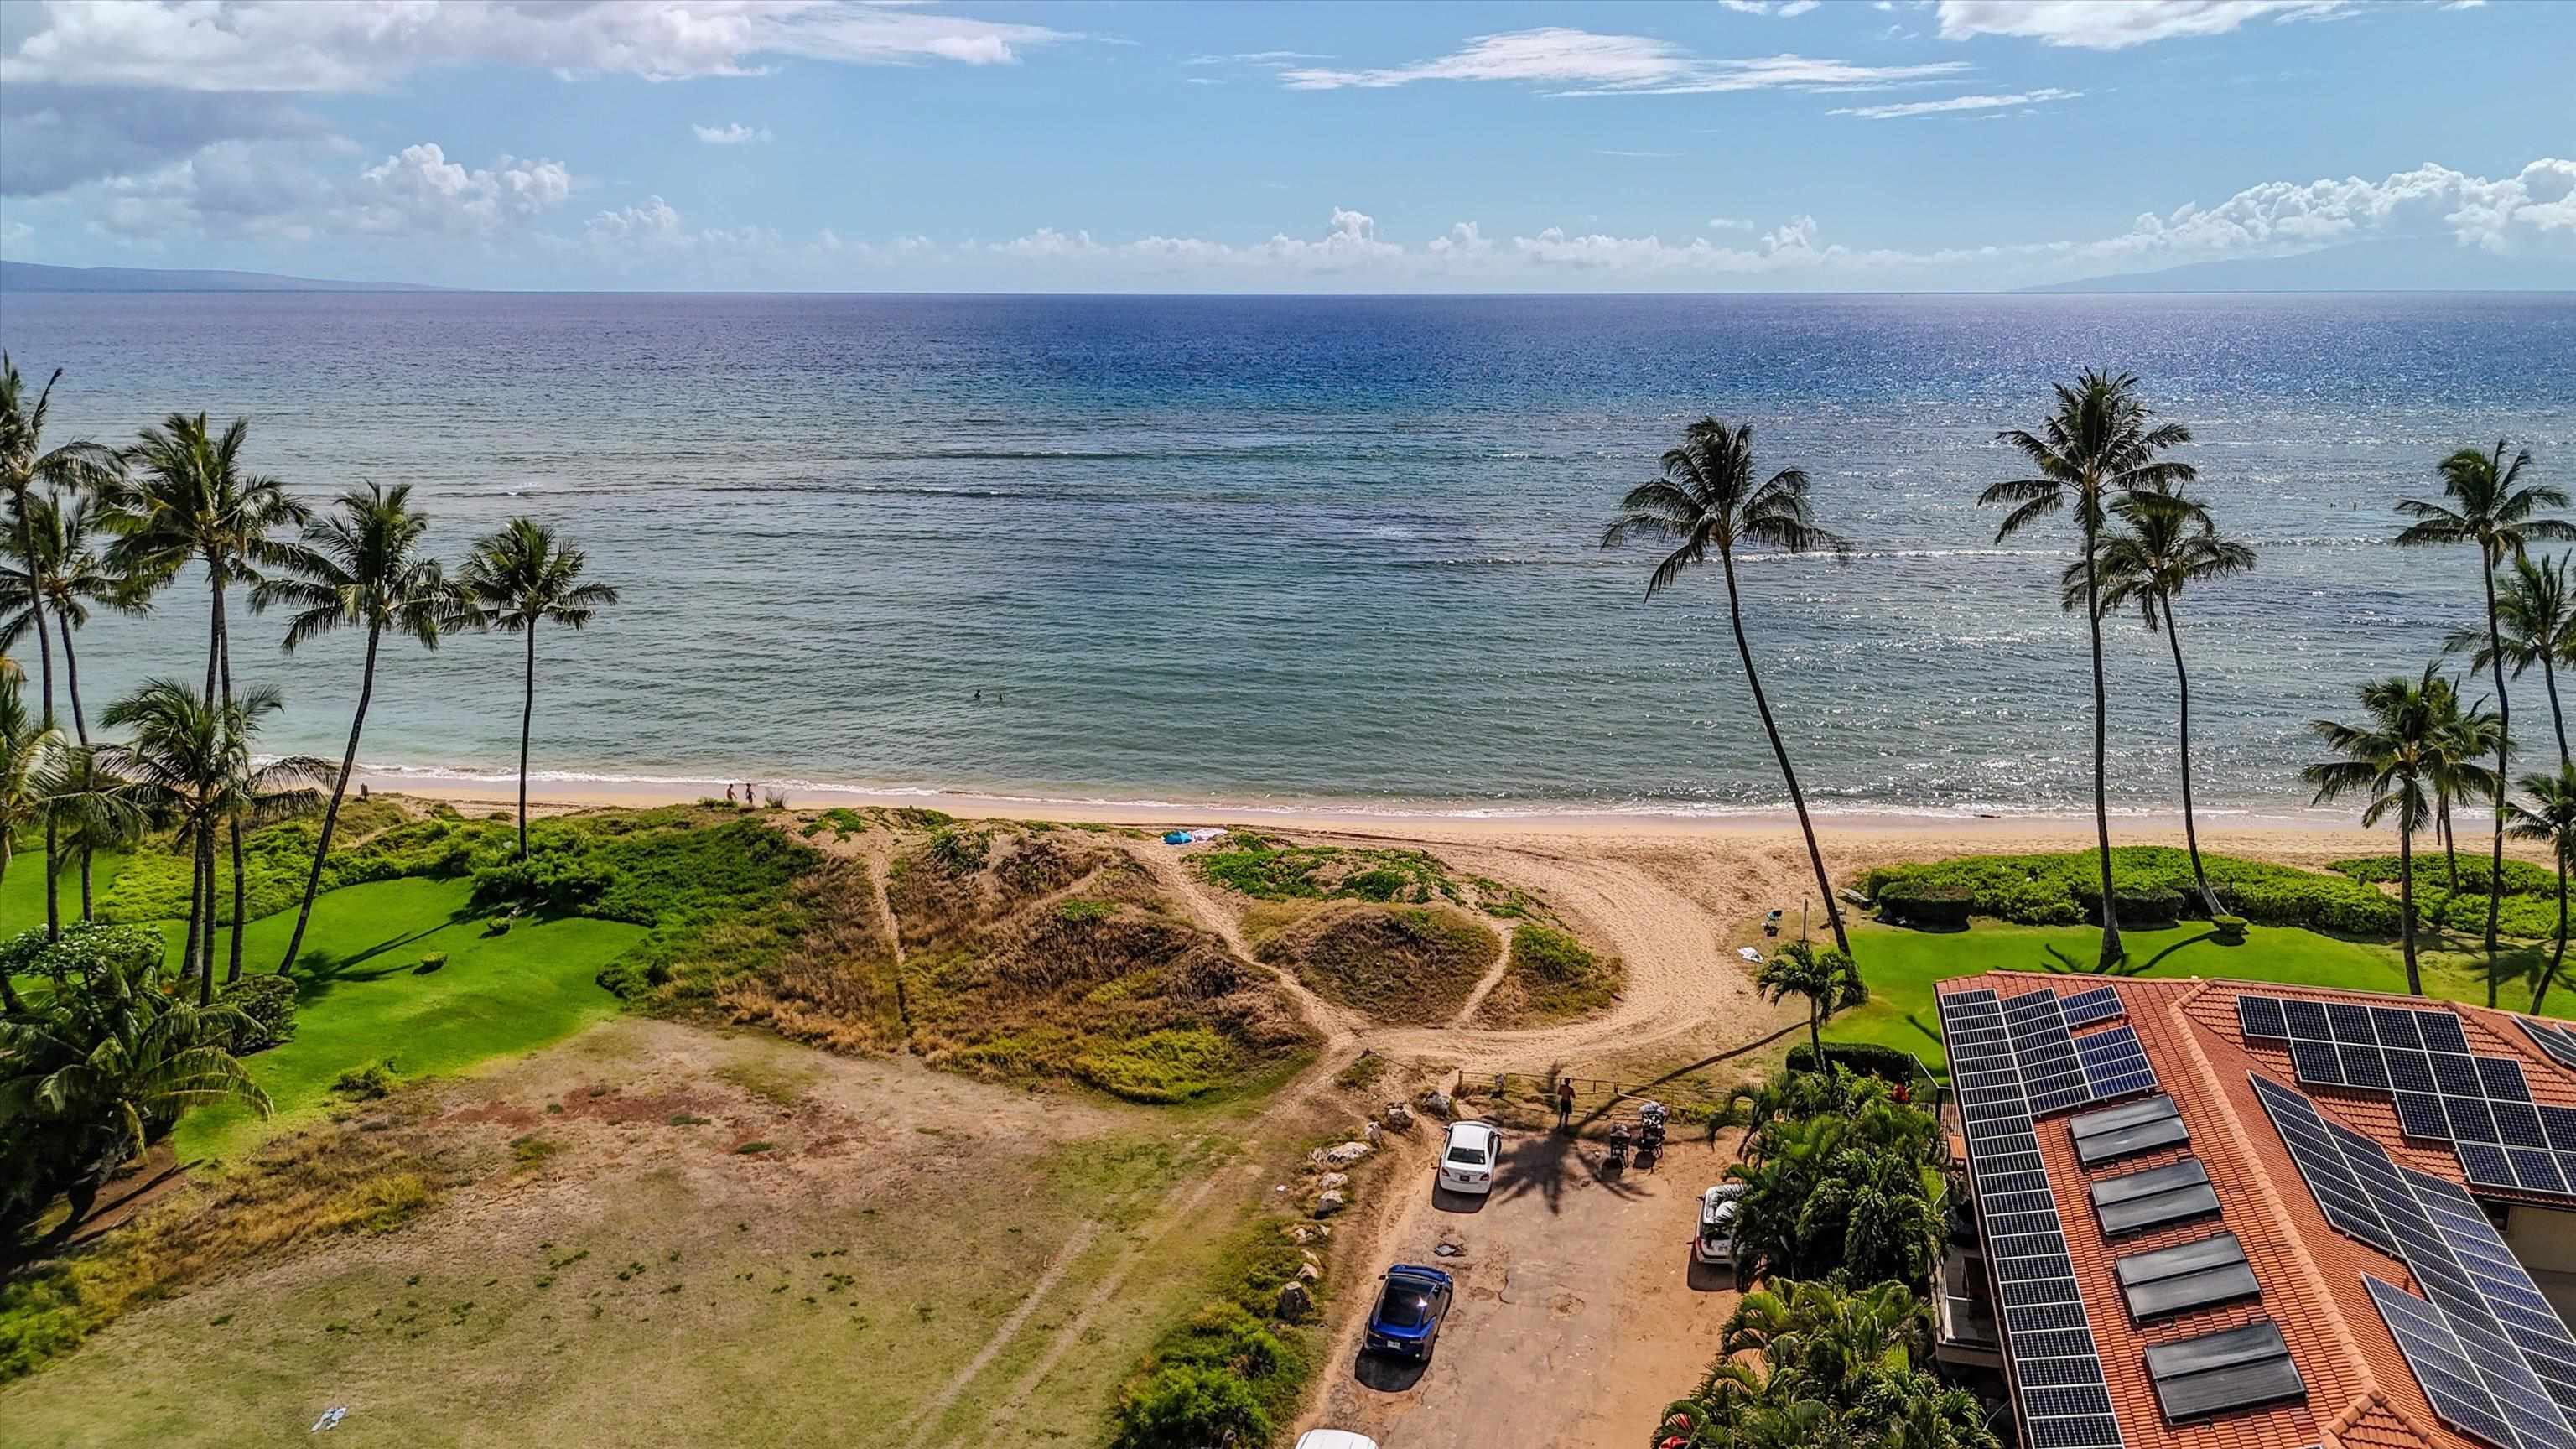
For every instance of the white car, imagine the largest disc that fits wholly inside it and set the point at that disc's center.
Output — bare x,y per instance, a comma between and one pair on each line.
1334,1439
1467,1159
1718,1208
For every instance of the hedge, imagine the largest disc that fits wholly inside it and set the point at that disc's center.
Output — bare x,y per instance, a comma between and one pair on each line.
2151,882
2521,877
1866,1057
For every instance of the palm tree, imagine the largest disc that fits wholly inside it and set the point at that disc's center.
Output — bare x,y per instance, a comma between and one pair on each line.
190,500
2094,451
69,578
191,757
99,810
2169,545
362,568
2386,758
1827,979
2484,505
1707,500
24,749
517,578
2461,738
25,464
2535,621
2550,819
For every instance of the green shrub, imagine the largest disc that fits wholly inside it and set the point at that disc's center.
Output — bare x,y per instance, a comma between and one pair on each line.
1267,870
1188,1407
1086,908
434,961
960,851
367,1083
2064,889
268,1001
1925,903
1869,1058
1161,1066
2229,928
2521,878
559,875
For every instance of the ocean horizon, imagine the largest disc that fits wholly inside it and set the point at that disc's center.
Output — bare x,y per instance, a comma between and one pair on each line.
1335,552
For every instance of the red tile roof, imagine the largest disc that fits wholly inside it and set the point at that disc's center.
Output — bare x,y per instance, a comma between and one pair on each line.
2360,1391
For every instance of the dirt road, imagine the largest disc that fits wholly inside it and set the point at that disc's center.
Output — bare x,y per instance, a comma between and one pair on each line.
1578,1315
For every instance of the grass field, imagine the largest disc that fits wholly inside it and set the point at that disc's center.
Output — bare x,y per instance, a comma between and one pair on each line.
1902,965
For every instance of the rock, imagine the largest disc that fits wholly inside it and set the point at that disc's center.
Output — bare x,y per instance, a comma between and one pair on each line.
1295,1303
1337,1157
1333,1181
1307,1272
1437,1103
1371,1135
1449,1248
1399,1117
1302,1233
1330,1201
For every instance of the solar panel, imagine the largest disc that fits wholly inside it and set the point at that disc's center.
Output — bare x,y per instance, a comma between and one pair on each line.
2422,1116
2338,1193
2442,1031
2397,1028
2067,1406
2471,1119
2260,1018
2044,1053
2195,1275
2317,1063
2441,1365
2137,1201
2504,1079
2550,1037
2558,1124
2115,1065
2518,1124
2364,1066
2536,1171
2307,1020
2125,1131
2236,1369
2411,1071
2485,1165
2084,1008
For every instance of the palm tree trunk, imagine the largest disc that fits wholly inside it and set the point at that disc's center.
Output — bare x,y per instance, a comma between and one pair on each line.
528,714
2406,905
1816,1034
331,812
1761,704
196,912
2558,952
2182,686
80,724
241,886
45,657
2504,748
2450,843
2548,679
206,977
2111,952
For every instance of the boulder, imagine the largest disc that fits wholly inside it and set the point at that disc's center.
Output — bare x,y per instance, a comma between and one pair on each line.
1437,1103
1295,1303
1333,1182
1308,1272
1342,1155
1330,1201
1371,1135
1304,1233
1398,1118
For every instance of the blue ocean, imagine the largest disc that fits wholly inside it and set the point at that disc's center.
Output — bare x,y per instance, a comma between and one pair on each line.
1338,552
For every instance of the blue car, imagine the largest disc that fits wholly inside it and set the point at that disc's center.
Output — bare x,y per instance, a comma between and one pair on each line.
1406,1320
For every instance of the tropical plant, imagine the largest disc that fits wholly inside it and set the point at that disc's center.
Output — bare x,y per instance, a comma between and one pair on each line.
1827,980
188,497
25,748
2485,502
2462,736
190,759
97,810
25,465
1852,1190
101,1066
360,568
2096,450
69,577
2387,760
2168,546
1806,1364
2549,819
2535,622
1707,501
517,578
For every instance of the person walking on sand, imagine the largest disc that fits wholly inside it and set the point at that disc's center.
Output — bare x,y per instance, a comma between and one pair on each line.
1564,1103
728,794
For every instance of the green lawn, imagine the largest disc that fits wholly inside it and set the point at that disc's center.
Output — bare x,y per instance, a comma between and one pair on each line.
1901,966
22,891
360,998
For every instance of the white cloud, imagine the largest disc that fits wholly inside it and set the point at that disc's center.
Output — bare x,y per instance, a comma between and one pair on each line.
15,234
733,133
1730,223
2119,24
1583,62
1785,9
355,45
1953,104
419,190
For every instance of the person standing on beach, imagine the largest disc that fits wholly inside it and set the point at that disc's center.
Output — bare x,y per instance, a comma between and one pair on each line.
728,794
1564,1103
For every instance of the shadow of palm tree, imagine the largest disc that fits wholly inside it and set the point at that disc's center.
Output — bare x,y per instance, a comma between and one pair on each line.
318,973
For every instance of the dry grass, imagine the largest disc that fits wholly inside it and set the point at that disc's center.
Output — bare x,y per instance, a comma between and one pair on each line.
834,986
1398,964
1552,977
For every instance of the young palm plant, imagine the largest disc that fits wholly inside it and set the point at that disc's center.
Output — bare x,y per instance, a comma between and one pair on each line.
1826,980
517,578
69,578
360,568
190,759
2461,738
25,748
2386,760
26,465
1707,501
188,497
2549,819
2535,623
2095,450
2168,546
97,811
2485,502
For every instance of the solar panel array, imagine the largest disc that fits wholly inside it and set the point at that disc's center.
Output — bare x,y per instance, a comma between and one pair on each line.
2060,1070
2486,1315
2235,1368
2550,1037
2137,1201
2195,1275
2480,1105
2057,1367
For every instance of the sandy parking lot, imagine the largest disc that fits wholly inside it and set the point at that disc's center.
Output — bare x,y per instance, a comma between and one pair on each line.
1578,1315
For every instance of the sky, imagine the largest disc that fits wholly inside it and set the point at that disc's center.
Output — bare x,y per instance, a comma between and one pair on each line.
1757,145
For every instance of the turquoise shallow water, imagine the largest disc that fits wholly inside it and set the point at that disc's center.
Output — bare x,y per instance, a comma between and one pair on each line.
1324,550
